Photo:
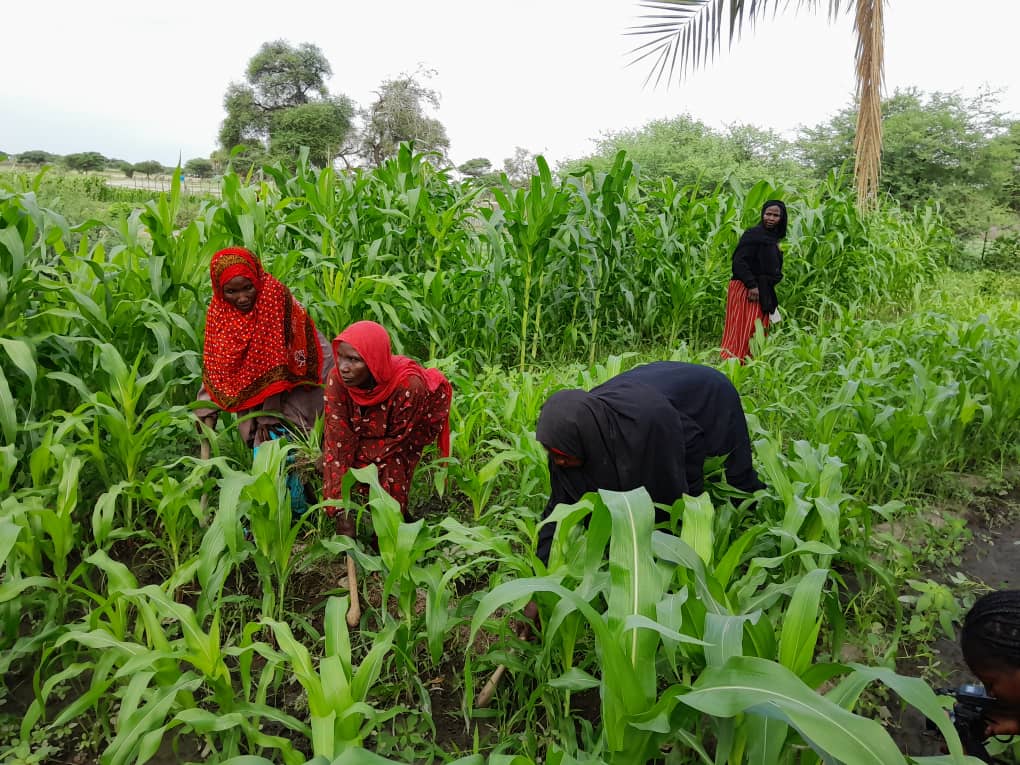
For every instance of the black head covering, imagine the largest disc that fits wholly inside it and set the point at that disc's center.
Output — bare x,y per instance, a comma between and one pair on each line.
761,234
758,259
626,436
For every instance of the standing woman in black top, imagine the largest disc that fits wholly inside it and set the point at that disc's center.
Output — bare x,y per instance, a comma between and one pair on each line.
757,269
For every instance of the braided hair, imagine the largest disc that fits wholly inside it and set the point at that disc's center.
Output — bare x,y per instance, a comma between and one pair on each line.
990,638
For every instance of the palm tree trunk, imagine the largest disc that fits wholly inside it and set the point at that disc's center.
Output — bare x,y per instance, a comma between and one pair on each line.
868,57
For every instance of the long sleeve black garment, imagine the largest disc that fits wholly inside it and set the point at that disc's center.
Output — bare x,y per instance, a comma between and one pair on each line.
651,426
714,416
758,262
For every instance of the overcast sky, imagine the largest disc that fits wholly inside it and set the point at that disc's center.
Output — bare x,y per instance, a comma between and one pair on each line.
145,80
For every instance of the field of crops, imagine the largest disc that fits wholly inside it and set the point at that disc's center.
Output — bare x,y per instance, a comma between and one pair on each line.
140,624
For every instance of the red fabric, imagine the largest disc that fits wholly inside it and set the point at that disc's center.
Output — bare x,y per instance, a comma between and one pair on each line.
388,426
249,357
741,316
372,342
238,269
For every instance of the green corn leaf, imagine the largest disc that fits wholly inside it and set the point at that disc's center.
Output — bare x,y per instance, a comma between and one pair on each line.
9,531
637,583
574,679
13,588
371,666
698,520
724,636
760,687
118,576
919,695
765,739
801,622
23,357
8,411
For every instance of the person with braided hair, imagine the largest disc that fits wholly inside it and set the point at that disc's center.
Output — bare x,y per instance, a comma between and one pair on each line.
990,641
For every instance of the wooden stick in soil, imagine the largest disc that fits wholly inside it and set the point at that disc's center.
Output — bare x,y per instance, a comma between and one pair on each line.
524,632
354,612
485,695
205,455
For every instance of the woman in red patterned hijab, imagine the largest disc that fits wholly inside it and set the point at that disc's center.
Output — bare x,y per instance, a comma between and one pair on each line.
262,350
381,409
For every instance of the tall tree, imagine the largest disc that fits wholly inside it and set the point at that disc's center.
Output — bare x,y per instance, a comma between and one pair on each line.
520,168
199,167
284,104
37,157
323,126
149,167
687,33
398,115
283,76
941,146
85,161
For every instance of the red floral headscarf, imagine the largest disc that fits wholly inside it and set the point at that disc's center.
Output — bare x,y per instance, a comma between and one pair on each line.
372,342
249,357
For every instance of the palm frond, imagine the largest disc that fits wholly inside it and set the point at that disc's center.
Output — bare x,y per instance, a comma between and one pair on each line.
687,34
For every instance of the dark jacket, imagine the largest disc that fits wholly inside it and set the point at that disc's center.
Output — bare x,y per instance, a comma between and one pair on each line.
758,261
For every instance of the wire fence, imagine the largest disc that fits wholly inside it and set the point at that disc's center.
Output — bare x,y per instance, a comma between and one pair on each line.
155,183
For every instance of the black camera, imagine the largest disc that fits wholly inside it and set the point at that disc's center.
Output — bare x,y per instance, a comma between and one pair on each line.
970,717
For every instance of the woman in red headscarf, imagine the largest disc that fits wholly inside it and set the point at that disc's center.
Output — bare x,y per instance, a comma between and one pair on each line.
381,409
262,350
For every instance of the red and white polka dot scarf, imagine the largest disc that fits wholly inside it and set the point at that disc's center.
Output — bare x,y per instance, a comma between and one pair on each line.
249,357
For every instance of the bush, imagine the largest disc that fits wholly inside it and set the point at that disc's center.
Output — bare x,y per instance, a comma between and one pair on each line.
123,166
1003,252
37,157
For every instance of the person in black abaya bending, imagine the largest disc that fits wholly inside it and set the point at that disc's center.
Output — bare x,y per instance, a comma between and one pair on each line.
713,419
652,426
757,269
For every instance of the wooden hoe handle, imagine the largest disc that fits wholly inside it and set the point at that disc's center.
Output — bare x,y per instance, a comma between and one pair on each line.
485,696
354,612
205,455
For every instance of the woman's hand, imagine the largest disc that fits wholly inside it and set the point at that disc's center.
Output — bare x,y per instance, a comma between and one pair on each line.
1003,726
752,295
525,628
209,421
344,523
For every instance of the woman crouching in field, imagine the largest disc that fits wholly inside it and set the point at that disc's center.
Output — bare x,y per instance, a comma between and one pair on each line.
262,353
381,410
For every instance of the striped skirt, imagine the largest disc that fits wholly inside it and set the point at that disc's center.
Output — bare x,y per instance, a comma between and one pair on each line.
741,317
